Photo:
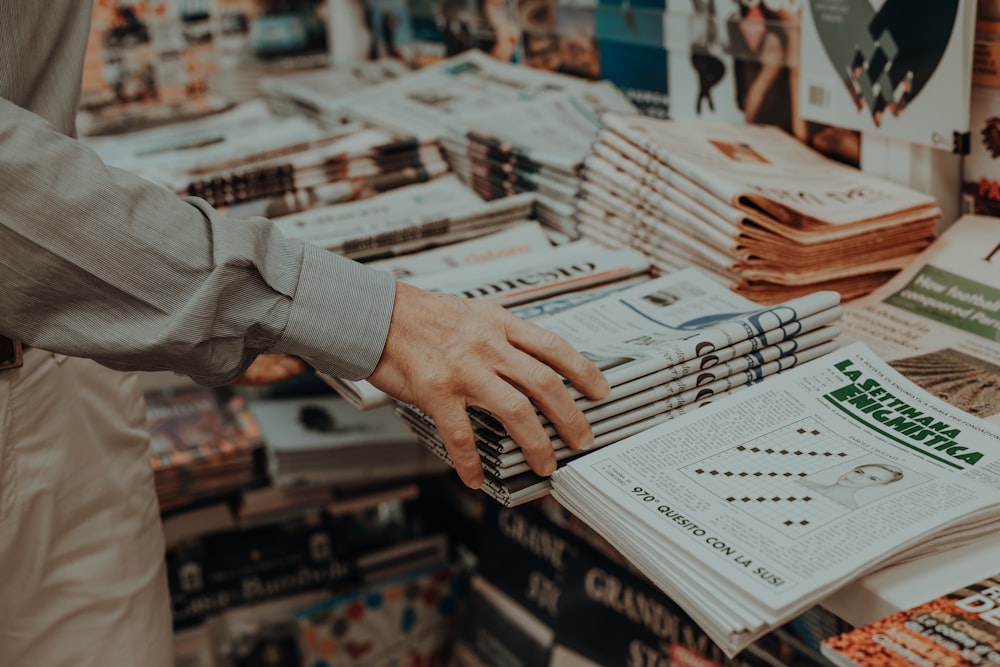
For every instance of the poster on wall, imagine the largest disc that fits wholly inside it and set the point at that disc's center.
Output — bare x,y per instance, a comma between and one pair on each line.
147,62
627,35
981,167
885,66
703,69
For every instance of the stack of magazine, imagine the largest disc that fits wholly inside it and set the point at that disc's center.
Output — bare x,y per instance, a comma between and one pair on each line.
322,441
750,204
204,445
667,346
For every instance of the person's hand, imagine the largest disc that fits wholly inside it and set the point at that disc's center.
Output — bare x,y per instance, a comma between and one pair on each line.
268,368
444,354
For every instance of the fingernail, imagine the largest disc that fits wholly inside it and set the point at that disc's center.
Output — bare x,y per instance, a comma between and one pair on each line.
549,467
586,442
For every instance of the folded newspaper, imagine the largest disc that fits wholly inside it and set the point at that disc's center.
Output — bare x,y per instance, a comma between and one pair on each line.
306,92
767,215
520,279
750,510
667,347
518,239
515,267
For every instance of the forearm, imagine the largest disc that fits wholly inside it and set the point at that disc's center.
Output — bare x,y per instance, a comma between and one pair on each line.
101,264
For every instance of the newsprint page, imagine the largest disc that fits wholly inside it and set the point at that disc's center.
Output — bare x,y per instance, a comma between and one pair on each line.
750,510
938,320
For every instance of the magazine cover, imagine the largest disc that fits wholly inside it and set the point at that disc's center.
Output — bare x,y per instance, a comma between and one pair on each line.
628,35
407,621
441,29
147,62
960,629
578,53
986,54
427,29
702,66
737,61
558,35
537,19
981,167
392,30
868,65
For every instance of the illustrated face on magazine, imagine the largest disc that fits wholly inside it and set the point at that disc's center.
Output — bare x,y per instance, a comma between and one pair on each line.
872,474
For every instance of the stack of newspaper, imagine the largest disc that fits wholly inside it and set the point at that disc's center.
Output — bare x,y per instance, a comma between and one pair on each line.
764,213
306,92
667,346
533,146
253,162
504,128
405,220
517,267
429,102
754,509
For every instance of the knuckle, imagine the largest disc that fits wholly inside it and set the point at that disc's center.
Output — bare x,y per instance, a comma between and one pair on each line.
440,384
576,421
545,379
516,406
548,339
459,439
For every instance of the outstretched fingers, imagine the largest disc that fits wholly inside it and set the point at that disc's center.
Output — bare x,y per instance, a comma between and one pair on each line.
546,390
452,423
517,413
553,350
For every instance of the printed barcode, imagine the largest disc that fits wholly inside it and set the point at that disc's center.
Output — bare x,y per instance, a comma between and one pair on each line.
819,96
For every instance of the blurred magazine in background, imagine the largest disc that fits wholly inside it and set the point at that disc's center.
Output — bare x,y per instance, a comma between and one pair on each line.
204,446
871,67
322,441
960,629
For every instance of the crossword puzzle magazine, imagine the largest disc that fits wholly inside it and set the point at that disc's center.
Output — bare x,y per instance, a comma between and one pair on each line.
752,509
960,629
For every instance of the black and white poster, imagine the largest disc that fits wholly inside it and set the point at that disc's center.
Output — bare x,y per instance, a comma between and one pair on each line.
896,68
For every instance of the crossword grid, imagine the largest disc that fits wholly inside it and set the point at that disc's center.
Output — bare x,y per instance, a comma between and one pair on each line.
760,476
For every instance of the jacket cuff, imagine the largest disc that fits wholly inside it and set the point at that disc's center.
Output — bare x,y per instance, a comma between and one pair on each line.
340,315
